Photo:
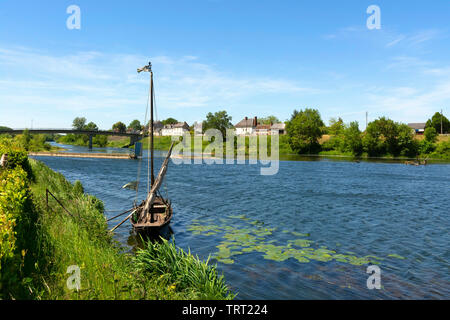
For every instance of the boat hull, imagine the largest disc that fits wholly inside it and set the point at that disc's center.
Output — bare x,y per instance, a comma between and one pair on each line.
159,217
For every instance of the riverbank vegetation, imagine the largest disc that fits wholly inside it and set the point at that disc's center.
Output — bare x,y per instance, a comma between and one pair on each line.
31,142
307,134
382,138
39,243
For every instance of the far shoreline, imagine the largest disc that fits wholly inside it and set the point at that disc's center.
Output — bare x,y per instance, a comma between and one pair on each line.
282,157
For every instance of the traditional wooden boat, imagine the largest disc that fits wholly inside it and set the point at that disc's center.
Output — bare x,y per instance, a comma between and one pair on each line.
155,212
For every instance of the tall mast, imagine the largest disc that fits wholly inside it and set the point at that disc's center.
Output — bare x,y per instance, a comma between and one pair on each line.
149,69
151,124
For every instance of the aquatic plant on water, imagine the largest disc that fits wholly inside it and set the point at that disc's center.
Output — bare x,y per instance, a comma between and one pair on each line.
255,238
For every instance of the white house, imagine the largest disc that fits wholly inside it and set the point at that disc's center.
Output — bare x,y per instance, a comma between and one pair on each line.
262,130
198,128
177,129
278,128
418,128
246,126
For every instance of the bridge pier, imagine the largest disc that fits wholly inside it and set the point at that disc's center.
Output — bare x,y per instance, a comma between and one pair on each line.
90,141
133,140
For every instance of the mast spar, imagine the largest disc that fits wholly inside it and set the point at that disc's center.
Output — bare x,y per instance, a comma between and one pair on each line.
154,212
148,68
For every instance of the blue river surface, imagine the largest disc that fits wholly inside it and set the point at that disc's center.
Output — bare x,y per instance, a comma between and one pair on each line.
308,232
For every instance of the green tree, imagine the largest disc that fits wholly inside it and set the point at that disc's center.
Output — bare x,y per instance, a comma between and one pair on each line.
169,121
384,136
119,127
79,123
352,140
25,139
90,127
406,145
100,140
135,125
431,134
219,120
435,122
372,141
304,130
336,127
381,137
269,120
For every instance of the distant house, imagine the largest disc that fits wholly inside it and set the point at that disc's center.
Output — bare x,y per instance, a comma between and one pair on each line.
157,128
278,128
177,129
131,130
198,128
262,129
419,128
246,126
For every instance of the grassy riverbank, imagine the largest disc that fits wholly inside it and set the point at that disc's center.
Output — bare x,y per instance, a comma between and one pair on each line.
437,151
31,142
38,244
98,141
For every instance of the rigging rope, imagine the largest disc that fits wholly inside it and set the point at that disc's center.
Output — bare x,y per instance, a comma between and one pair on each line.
156,117
149,137
140,159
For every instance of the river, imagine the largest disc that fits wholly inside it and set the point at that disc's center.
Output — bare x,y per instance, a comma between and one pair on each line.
308,232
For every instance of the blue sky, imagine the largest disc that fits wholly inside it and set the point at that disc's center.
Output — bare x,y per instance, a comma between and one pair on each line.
247,57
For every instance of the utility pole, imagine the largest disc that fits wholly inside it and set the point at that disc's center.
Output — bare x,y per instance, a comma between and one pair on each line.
442,115
367,119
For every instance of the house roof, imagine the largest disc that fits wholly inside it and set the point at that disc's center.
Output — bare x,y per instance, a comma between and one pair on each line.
278,126
177,125
263,127
417,126
245,123
157,125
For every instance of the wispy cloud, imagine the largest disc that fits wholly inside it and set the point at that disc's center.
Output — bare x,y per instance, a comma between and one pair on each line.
407,63
414,40
410,104
108,84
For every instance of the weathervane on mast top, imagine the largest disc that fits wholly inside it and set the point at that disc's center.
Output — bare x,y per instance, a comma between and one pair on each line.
146,68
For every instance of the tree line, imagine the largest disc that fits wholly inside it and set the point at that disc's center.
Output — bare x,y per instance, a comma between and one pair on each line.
382,137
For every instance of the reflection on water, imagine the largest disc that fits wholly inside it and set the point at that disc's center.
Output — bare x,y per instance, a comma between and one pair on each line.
74,149
338,215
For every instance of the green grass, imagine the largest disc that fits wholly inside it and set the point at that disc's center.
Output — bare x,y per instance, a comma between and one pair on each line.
186,272
163,143
119,143
82,238
159,143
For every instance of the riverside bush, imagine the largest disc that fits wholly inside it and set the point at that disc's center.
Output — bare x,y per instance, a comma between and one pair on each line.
17,156
17,220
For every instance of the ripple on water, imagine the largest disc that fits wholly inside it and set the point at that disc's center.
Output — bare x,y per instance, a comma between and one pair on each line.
366,212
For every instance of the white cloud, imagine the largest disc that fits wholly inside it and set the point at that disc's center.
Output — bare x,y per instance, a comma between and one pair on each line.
413,40
99,83
409,104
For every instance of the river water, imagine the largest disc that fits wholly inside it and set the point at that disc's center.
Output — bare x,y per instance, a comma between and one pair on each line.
308,232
